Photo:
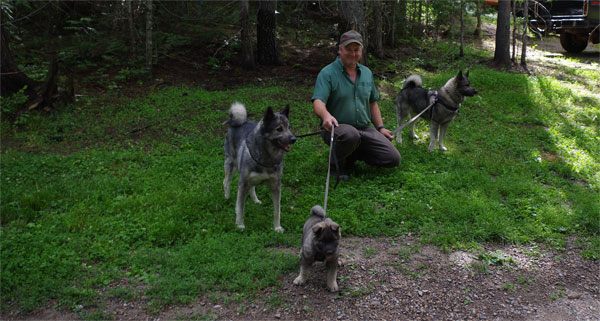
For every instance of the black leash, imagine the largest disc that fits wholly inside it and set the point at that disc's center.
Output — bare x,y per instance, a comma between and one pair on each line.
310,134
328,172
335,161
412,120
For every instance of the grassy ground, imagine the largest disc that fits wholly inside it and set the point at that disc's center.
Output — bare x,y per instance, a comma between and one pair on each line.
129,190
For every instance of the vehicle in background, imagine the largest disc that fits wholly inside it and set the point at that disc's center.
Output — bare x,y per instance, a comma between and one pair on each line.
576,21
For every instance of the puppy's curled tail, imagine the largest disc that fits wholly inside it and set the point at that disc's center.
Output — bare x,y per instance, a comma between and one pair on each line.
317,210
413,81
237,115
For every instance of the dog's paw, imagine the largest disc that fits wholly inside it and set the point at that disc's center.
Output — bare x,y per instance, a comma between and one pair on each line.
333,287
299,280
279,229
241,227
398,139
443,148
257,201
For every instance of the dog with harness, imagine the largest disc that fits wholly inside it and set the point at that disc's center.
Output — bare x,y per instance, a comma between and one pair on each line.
439,107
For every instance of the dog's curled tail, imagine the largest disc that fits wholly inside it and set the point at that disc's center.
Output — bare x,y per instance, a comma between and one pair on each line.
237,114
413,82
317,210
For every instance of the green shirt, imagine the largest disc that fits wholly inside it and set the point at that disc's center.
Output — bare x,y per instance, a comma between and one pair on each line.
346,100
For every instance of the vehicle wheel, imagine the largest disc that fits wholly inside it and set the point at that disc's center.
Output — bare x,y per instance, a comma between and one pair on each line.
572,42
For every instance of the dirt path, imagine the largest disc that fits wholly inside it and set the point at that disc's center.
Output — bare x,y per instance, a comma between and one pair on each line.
397,278
547,57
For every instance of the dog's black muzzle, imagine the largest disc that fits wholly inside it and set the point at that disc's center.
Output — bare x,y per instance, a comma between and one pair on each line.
285,145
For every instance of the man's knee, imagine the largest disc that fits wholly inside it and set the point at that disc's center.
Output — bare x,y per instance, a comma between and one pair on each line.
391,158
347,134
346,137
394,159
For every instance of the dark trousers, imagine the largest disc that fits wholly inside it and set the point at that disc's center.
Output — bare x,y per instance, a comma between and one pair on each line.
364,144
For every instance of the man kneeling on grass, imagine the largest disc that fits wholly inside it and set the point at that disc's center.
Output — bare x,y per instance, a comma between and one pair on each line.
345,97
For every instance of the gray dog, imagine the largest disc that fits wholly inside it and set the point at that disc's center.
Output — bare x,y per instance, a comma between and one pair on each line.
413,99
320,240
256,150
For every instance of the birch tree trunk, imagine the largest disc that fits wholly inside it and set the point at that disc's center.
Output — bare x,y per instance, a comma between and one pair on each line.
514,32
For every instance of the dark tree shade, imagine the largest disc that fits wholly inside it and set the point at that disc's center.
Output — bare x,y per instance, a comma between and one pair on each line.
247,53
12,78
265,35
502,51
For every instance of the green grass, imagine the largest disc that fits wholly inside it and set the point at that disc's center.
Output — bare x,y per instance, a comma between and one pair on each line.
131,193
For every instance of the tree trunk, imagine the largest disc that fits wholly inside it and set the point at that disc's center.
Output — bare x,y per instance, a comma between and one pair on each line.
426,26
247,51
402,11
265,35
49,90
524,39
378,34
352,17
132,45
462,28
502,50
420,19
477,32
149,35
390,38
12,79
514,32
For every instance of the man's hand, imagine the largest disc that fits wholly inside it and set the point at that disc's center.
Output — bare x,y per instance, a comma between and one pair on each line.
321,111
329,122
387,133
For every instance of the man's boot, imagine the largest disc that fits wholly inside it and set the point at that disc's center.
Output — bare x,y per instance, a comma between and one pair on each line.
339,171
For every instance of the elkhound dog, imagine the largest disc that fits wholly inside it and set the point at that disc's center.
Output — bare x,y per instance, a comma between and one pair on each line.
256,150
413,99
320,239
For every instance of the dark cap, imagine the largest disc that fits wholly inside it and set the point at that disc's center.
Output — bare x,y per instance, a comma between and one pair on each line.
350,37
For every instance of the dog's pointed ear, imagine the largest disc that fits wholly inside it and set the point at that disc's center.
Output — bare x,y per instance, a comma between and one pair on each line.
286,111
459,76
335,228
269,114
317,229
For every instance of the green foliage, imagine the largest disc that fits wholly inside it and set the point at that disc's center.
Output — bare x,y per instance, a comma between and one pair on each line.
170,41
496,258
131,74
10,105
